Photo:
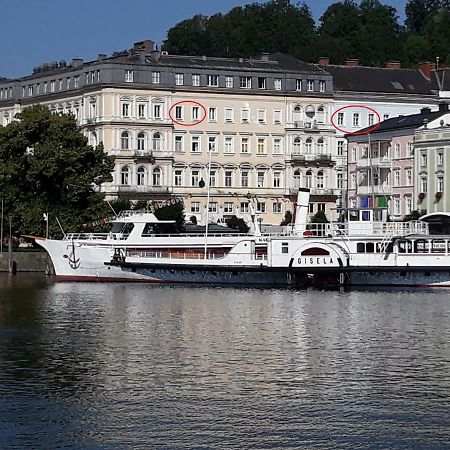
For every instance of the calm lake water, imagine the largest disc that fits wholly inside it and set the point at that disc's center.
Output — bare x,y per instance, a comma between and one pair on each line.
121,366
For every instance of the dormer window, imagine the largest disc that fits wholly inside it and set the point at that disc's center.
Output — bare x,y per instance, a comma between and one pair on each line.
129,76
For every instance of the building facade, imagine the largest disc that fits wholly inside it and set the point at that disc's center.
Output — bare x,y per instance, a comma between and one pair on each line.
263,124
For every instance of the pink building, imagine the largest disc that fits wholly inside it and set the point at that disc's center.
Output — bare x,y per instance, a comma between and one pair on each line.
380,168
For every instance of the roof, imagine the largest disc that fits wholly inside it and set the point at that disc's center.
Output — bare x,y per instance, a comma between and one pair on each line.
376,79
440,79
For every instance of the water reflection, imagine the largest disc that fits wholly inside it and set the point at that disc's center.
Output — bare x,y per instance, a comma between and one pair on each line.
129,366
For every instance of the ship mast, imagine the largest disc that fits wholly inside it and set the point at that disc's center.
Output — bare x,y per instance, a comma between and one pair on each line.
208,189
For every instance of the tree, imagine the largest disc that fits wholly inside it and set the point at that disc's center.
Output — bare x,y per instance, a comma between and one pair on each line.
46,164
413,215
437,34
237,224
172,212
319,217
287,219
418,13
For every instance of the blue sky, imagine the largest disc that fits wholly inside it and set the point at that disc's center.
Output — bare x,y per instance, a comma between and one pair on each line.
38,31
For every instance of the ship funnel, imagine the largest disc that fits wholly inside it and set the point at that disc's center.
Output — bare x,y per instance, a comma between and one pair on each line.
301,211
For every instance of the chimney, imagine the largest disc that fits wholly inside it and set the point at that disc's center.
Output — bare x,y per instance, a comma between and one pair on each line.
324,61
352,62
264,56
393,65
101,56
426,67
425,110
146,46
77,62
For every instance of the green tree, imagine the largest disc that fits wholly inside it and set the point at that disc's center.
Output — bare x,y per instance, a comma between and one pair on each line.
287,219
437,34
413,215
419,12
46,164
319,217
237,224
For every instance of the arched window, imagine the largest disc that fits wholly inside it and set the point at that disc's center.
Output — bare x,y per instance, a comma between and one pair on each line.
308,179
321,146
125,176
297,146
309,146
141,141
297,113
141,176
125,141
157,176
297,179
321,114
157,139
319,179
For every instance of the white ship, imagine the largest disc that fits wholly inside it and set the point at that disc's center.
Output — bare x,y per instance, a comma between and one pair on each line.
364,249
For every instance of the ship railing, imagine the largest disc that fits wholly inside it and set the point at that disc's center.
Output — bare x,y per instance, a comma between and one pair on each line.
174,255
96,236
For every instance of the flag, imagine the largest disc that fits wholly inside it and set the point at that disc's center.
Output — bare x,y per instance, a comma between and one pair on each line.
45,216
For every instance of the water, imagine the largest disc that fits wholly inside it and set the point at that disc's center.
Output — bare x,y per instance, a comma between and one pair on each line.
120,366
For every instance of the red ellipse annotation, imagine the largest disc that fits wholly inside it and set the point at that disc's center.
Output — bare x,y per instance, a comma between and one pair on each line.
183,124
366,130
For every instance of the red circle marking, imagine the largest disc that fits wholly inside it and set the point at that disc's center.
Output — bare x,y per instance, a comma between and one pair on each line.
182,124
366,130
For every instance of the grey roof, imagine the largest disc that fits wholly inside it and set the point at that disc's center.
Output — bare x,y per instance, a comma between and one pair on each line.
375,79
440,79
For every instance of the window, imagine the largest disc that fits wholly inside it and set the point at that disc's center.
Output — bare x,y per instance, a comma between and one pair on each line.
261,116
125,110
277,117
52,86
423,159
125,175
309,146
298,85
229,115
195,177
261,83
125,140
212,178
157,111
260,207
61,82
340,119
179,144
277,146
228,148
195,145
245,82
311,208
244,178
212,208
321,207
30,90
440,184
195,207
178,112
277,84
340,148
141,141
228,178
157,176
245,115
322,86
261,148
195,113
423,185
142,110
196,80
371,120
408,204
276,179
277,208
321,146
129,76
297,147
244,145
76,83
310,86
354,152
410,149
440,159
353,180
228,207
156,76
229,82
356,119
340,181
409,180
261,178
157,141
397,150
396,206
385,117
212,144
213,80
141,172
212,115
179,79
244,207
396,177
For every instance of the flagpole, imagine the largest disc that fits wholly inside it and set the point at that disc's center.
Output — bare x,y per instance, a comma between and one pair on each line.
207,202
1,230
46,230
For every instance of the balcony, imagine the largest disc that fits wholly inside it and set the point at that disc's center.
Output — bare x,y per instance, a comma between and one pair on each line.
143,155
383,162
135,189
305,125
378,189
317,159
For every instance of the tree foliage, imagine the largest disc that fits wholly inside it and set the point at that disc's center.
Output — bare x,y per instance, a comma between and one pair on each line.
367,29
319,217
46,165
237,224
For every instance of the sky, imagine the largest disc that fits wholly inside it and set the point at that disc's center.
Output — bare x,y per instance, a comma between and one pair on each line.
35,32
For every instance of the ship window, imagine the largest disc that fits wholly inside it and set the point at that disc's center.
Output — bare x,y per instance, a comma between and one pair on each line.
360,247
284,247
353,216
370,248
365,215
